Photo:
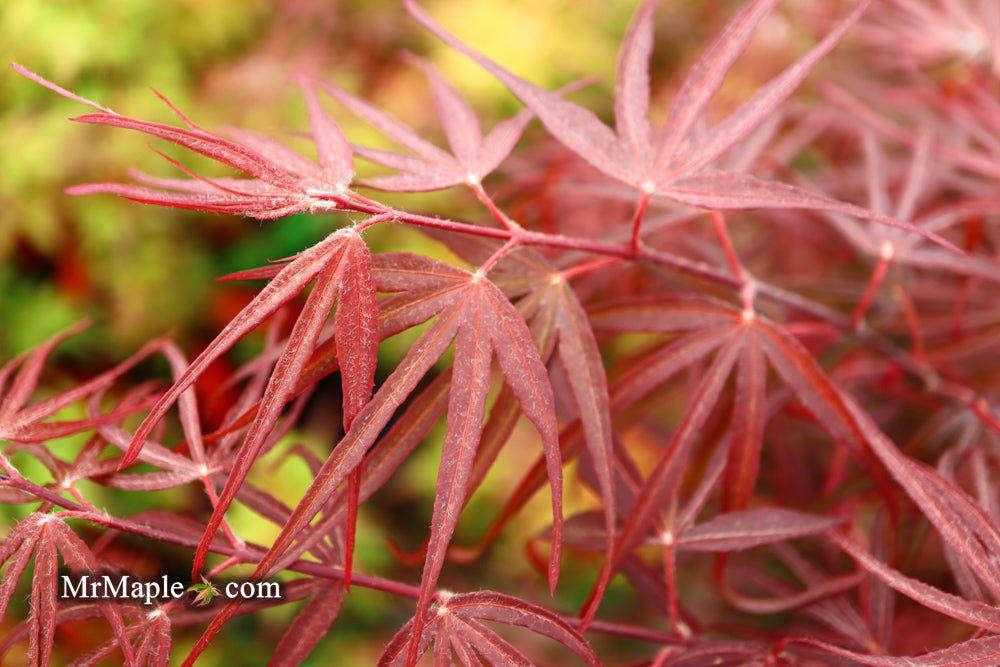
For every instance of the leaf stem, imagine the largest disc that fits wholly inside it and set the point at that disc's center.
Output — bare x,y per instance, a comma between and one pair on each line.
727,245
878,274
640,212
505,221
587,267
511,243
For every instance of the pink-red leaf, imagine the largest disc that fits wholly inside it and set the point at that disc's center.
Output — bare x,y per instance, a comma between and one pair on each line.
765,101
575,126
310,626
581,358
291,161
456,624
209,145
292,278
968,611
665,476
828,404
749,415
962,522
714,189
980,652
366,427
27,73
466,407
280,387
705,77
153,647
334,152
262,207
745,529
490,606
355,326
526,376
404,271
388,125
42,620
24,424
461,126
356,335
47,536
632,86
496,650
30,369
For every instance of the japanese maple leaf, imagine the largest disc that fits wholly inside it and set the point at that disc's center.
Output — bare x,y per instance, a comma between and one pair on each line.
472,155
895,247
46,537
744,343
341,268
149,633
20,422
675,162
980,652
562,332
967,530
313,620
284,182
725,533
474,313
204,592
456,625
964,127
866,627
964,525
970,457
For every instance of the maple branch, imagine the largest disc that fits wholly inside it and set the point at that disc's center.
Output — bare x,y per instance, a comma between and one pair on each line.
885,258
702,271
14,480
362,199
913,322
682,265
512,243
719,223
376,209
375,219
640,212
677,263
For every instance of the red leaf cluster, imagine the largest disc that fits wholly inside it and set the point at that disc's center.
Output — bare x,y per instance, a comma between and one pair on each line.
761,411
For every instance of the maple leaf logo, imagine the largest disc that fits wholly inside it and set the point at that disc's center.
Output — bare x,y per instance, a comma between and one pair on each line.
204,592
